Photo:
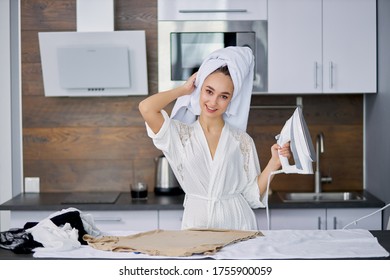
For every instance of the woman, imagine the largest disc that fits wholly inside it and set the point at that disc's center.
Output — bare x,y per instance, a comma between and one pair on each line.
213,158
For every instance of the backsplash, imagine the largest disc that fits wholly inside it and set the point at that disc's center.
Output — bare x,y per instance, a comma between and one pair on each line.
100,144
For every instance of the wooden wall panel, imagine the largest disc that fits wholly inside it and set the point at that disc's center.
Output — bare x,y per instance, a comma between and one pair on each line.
100,144
86,143
39,111
48,15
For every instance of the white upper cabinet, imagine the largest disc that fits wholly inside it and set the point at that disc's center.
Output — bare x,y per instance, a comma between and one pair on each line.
349,46
294,46
322,46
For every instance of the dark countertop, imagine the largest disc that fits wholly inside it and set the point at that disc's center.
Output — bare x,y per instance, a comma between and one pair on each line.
383,237
54,202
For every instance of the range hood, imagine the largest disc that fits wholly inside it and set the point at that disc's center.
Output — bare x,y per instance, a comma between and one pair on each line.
95,60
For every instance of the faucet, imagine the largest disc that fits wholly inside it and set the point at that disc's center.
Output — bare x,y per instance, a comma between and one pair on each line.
318,179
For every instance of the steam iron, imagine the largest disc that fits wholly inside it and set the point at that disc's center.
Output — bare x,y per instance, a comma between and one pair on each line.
295,130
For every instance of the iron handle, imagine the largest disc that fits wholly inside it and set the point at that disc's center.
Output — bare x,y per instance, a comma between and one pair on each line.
319,222
334,222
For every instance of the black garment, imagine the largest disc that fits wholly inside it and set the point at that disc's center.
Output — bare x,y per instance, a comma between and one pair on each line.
74,219
18,241
71,217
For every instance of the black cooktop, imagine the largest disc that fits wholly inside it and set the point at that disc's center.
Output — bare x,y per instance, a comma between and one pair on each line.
91,198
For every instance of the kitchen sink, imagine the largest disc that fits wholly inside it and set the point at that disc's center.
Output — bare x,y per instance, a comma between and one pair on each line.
324,197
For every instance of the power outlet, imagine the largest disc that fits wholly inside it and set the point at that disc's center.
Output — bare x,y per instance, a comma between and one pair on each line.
31,184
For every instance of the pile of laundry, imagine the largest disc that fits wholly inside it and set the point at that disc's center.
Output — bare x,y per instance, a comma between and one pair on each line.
61,231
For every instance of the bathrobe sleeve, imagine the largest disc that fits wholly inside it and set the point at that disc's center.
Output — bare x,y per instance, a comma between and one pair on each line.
169,141
162,139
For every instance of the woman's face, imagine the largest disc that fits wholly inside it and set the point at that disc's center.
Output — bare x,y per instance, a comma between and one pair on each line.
215,95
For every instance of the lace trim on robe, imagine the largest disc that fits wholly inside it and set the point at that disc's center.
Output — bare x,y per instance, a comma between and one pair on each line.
185,132
245,147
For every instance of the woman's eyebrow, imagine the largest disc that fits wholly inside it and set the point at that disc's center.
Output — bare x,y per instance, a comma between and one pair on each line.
224,92
210,87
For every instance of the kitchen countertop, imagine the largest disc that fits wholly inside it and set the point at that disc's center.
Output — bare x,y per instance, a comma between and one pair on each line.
54,202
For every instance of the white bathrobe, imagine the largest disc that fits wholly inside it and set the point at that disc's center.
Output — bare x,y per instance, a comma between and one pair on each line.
220,192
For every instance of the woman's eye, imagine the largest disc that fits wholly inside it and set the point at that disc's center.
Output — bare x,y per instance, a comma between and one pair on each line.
224,97
209,91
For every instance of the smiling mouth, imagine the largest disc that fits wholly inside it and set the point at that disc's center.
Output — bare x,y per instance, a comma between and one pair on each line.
210,109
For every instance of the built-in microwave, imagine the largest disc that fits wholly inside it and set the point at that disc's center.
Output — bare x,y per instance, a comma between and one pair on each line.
183,43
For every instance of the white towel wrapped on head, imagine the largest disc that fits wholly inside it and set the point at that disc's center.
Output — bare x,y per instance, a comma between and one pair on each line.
240,62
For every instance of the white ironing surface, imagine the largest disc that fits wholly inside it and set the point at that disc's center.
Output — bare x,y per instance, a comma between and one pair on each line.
295,130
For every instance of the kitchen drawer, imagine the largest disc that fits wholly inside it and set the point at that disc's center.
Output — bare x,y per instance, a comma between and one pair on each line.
104,220
126,220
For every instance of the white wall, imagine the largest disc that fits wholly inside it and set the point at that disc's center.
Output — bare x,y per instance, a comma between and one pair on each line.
11,167
5,111
377,117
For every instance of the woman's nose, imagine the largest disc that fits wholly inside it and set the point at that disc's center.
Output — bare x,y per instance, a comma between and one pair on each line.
213,100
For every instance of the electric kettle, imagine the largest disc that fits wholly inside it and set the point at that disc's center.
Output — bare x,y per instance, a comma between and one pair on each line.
165,180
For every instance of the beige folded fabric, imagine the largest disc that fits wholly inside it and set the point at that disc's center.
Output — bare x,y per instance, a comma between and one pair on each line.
172,243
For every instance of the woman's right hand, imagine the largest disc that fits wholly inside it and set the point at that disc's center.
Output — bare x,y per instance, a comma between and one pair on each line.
189,85
150,108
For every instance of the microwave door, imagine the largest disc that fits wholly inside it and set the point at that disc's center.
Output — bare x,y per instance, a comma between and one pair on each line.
188,50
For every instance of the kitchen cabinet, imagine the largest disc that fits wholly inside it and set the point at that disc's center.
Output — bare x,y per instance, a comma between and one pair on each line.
322,218
170,219
298,219
322,46
177,10
261,219
20,218
338,218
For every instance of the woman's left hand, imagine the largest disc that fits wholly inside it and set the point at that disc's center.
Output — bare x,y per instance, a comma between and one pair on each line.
285,150
277,150
274,164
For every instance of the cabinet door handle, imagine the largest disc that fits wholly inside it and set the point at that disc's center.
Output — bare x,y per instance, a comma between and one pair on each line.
330,74
334,222
108,219
214,11
319,222
315,74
